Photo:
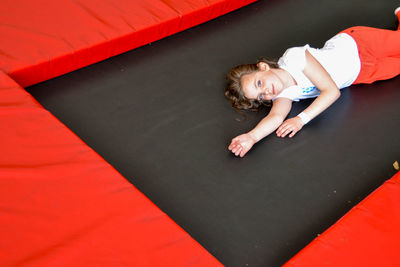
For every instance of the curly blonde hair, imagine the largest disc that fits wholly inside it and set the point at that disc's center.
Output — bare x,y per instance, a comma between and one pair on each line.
234,91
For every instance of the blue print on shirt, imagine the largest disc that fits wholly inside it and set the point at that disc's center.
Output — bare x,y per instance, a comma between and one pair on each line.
307,90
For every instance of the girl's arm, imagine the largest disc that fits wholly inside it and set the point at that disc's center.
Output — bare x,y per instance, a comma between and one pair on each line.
329,94
241,144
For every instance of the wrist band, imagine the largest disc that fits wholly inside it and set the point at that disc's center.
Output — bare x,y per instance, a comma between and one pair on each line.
304,117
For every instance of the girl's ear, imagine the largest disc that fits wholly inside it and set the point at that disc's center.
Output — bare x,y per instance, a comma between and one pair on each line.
263,66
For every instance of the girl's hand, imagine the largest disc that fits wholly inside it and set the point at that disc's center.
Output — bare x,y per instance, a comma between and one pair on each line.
241,144
292,126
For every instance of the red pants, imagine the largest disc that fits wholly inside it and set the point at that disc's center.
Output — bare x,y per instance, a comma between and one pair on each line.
379,52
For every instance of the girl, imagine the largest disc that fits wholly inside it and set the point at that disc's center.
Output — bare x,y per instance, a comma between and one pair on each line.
356,55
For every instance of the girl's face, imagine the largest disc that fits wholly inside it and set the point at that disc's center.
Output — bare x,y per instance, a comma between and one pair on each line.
264,84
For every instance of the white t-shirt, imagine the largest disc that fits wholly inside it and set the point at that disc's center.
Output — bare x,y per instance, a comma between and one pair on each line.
339,57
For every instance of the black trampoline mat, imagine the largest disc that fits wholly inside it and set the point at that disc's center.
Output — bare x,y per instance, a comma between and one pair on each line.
159,116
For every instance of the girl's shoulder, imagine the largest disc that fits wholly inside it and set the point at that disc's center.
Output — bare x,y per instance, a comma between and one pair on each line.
294,58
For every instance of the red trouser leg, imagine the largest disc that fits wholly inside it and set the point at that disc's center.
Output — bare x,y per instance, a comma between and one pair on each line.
379,52
398,16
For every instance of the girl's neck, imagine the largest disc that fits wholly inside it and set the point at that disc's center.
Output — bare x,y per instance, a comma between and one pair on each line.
285,77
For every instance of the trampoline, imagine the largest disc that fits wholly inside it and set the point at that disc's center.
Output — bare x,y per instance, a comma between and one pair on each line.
158,115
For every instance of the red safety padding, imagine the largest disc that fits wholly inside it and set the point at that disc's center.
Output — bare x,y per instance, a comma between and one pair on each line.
61,204
43,39
368,235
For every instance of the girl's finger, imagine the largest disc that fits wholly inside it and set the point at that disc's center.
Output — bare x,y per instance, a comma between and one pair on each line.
286,132
238,148
284,127
234,149
281,127
232,146
293,133
280,131
244,152
238,151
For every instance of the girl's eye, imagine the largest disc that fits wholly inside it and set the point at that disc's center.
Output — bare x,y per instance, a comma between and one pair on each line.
259,83
260,97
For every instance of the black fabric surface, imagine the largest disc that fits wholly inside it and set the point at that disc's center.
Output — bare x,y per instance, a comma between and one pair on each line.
159,116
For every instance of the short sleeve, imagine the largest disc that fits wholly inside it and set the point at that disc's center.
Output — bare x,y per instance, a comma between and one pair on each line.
294,58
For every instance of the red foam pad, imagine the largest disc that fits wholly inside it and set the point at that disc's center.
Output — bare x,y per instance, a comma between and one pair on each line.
61,204
368,235
45,38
